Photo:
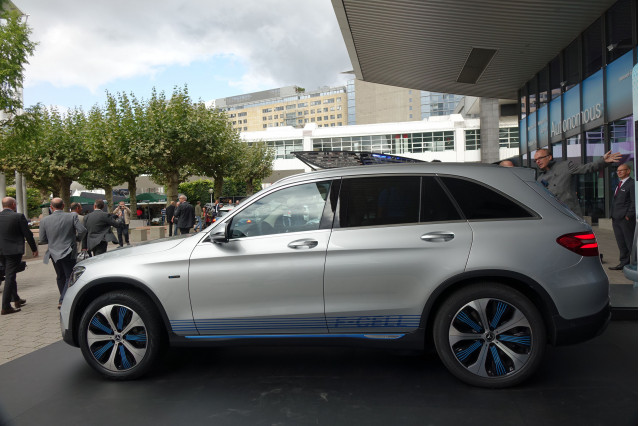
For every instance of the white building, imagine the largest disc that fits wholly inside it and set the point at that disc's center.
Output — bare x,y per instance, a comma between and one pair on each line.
451,138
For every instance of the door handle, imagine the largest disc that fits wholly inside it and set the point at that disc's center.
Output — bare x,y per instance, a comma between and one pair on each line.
438,237
302,244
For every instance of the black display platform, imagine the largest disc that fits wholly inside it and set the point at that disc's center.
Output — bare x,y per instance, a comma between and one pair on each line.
594,383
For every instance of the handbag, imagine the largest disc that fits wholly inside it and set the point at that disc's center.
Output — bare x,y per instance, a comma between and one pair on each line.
21,267
82,256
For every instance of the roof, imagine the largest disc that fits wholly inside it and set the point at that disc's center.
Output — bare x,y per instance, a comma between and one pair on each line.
443,45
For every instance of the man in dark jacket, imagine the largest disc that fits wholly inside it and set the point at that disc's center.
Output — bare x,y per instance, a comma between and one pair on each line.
13,232
623,215
185,215
99,233
171,208
557,176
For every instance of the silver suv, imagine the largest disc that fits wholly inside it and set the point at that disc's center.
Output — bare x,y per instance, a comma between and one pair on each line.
478,261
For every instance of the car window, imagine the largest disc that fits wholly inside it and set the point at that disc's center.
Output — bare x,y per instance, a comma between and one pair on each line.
375,201
294,209
436,204
481,202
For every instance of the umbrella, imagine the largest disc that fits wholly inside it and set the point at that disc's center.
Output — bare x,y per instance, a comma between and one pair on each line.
149,197
74,199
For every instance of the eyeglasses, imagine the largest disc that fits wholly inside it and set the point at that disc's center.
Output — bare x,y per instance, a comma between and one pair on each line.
540,158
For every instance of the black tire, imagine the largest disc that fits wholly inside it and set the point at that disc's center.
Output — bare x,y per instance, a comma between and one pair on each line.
121,335
490,335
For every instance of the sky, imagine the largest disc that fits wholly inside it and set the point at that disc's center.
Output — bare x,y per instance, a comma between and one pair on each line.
217,48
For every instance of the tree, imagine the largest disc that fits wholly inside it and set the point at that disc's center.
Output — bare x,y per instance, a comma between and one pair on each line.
15,49
48,148
101,146
255,163
197,190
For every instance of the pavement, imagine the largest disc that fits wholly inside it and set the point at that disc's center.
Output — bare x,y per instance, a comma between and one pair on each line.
38,324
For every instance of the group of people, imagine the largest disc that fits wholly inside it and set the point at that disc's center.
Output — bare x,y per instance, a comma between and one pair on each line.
62,232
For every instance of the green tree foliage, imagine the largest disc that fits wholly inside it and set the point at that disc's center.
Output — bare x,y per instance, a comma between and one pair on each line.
254,164
171,139
15,49
48,148
197,190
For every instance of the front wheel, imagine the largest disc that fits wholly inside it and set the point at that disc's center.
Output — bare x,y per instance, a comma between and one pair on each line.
490,335
121,335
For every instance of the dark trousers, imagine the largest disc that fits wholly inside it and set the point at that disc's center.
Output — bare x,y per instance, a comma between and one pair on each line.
63,269
184,231
623,230
10,292
170,229
99,249
123,229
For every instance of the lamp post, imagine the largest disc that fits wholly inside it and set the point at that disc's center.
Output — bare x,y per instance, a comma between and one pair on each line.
211,195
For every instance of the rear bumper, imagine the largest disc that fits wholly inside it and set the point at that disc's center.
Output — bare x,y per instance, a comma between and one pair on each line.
578,330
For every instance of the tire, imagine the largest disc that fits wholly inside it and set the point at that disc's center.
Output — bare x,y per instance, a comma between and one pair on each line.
490,335
121,335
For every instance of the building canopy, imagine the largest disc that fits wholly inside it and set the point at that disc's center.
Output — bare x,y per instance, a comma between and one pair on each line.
478,48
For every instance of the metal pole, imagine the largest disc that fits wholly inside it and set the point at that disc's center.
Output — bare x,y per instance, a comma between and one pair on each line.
18,186
3,185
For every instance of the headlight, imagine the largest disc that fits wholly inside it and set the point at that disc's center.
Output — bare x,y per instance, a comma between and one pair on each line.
75,274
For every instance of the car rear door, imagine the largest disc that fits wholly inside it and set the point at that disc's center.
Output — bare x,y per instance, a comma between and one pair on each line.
395,239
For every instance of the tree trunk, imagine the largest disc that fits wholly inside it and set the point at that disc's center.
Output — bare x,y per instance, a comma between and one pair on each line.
217,187
249,185
172,187
133,187
65,192
108,194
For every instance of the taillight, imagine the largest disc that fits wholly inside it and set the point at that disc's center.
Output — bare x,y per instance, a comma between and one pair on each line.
584,244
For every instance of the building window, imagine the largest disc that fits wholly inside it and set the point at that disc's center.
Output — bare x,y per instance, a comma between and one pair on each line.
509,137
472,140
432,141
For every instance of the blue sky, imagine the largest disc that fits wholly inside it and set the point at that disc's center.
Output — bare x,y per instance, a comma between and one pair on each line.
217,49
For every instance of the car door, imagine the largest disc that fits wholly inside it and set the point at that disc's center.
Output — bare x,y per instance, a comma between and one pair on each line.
395,239
268,278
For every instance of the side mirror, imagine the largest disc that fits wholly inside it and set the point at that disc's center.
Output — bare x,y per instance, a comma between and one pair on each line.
221,235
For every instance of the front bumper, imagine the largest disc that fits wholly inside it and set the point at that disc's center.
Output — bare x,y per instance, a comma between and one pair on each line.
568,332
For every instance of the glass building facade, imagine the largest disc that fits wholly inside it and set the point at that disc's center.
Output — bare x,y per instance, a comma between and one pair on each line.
580,105
435,104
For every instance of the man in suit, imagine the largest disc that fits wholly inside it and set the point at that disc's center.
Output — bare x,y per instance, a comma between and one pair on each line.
623,214
13,232
59,230
98,224
184,215
170,210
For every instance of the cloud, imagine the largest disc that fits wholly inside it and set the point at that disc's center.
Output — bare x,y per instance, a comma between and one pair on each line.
279,42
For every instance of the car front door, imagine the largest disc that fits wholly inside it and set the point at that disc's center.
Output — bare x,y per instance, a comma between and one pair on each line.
268,278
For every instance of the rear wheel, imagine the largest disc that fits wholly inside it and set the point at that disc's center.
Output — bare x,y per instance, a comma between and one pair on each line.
490,335
121,335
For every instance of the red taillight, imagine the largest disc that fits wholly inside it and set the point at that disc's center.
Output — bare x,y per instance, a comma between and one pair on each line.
584,244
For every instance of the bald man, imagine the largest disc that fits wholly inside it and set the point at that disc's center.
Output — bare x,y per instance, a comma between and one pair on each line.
14,230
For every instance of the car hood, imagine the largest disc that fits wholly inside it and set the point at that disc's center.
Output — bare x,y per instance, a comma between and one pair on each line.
140,249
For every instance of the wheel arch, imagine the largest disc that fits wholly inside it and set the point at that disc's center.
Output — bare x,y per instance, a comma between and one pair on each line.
525,285
101,286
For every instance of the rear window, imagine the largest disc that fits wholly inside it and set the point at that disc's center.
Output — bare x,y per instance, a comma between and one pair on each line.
375,201
481,202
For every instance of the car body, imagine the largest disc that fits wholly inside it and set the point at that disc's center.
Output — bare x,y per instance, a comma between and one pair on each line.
479,261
